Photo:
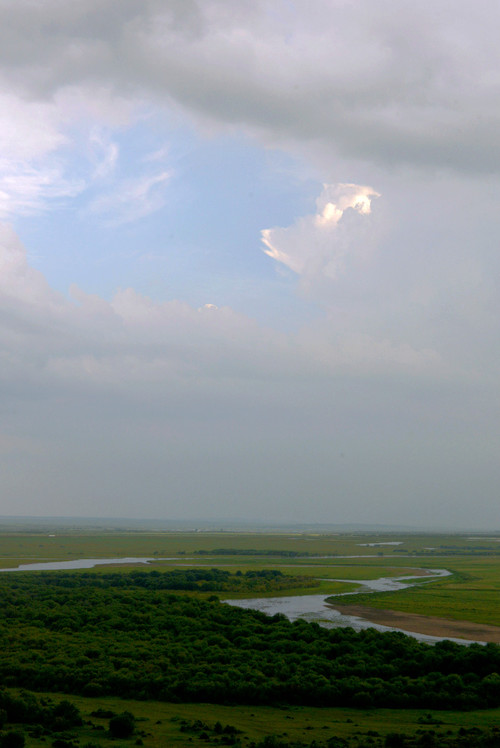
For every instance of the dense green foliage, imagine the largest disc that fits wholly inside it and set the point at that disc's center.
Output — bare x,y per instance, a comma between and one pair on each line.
125,635
203,580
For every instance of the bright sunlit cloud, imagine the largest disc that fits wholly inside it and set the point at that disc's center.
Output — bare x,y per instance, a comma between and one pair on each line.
317,244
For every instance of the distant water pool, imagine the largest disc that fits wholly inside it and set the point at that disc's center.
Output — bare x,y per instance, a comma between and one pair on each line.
82,563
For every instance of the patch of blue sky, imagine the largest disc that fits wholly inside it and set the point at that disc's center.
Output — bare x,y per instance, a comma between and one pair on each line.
198,241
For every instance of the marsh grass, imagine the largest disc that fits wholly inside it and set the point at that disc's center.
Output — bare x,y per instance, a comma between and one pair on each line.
471,593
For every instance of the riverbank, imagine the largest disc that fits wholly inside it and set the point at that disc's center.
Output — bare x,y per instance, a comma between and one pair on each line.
427,625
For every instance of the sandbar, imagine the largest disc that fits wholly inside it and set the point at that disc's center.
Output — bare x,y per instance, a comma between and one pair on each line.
419,624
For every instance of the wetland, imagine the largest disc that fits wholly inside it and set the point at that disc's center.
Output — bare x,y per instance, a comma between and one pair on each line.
132,615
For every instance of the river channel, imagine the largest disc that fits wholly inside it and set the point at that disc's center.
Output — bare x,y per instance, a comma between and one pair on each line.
315,608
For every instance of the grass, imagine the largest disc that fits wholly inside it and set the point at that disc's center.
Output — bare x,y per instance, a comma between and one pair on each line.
67,545
471,594
161,722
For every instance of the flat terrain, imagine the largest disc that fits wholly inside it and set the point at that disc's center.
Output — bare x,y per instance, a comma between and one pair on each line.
471,593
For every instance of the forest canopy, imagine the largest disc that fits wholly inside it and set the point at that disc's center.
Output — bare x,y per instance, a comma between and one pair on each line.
129,635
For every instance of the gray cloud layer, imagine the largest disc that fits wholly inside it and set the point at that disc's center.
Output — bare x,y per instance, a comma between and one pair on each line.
389,83
385,408
161,409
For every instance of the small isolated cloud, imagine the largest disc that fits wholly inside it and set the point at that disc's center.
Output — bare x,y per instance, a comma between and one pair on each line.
208,308
318,244
132,199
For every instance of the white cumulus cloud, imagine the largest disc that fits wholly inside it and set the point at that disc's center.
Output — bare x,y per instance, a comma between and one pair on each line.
318,243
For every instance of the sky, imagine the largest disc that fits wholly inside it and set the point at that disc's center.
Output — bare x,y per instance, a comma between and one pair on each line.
249,260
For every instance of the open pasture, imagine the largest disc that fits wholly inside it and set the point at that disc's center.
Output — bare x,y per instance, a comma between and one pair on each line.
58,544
63,546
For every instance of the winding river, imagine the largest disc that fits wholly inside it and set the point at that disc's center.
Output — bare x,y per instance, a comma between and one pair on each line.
316,608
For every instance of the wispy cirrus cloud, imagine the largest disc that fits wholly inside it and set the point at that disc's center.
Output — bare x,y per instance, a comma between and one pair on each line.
105,153
25,190
132,199
32,174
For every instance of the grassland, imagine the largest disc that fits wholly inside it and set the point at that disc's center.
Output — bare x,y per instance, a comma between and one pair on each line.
472,593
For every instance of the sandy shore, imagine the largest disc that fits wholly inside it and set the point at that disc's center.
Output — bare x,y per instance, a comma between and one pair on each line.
419,624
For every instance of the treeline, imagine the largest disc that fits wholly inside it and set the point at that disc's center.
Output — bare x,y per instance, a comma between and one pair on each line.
202,580
132,641
450,551
25,708
252,552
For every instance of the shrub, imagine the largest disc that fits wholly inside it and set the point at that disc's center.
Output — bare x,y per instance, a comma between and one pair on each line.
13,739
122,726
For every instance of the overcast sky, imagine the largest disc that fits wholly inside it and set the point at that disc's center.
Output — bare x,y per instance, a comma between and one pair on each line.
249,260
